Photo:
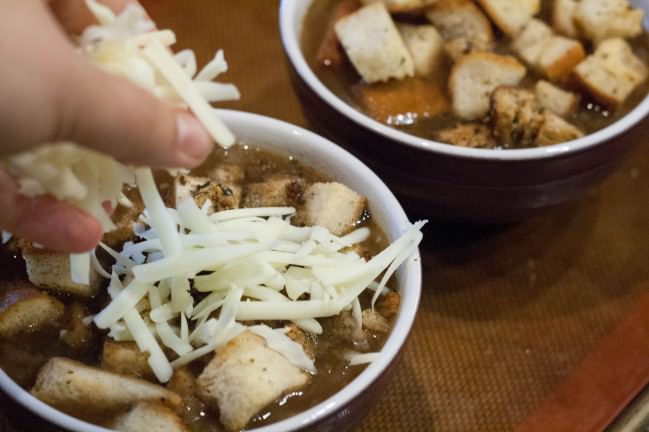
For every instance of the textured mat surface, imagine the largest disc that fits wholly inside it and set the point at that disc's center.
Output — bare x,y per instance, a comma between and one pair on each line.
506,312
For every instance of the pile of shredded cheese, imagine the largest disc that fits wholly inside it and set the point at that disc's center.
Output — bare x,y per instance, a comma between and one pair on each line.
245,264
130,46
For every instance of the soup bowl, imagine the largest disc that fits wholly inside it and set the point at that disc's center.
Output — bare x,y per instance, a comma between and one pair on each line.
349,405
477,185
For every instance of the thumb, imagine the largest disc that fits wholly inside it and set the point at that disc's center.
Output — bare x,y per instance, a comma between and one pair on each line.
114,116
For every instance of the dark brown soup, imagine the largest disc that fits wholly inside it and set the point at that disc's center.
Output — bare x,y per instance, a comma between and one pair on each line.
22,355
344,81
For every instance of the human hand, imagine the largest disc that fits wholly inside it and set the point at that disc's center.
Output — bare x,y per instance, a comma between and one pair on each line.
49,92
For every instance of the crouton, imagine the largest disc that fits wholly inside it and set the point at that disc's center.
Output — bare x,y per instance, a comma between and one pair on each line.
516,116
150,417
598,20
474,135
374,45
426,47
475,76
555,130
398,103
375,322
330,52
463,25
125,358
280,191
403,6
51,271
227,173
561,102
299,336
83,390
24,309
183,382
563,18
244,376
123,218
388,305
76,333
553,56
202,189
510,16
612,72
333,206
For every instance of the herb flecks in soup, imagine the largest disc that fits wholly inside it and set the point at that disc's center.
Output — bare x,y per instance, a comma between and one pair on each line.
242,294
482,74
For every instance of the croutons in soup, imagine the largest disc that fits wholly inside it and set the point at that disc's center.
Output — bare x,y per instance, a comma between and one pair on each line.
273,318
485,73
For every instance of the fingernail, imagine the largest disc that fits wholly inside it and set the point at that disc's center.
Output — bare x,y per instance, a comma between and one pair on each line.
193,140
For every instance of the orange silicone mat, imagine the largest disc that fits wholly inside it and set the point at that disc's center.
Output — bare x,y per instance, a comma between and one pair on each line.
506,312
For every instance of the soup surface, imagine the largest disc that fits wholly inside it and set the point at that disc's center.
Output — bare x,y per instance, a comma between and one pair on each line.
22,355
345,82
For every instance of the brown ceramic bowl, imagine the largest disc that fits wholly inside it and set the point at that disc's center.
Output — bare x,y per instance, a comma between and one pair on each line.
476,185
347,407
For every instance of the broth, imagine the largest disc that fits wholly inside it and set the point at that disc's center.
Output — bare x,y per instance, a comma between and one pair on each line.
343,80
23,356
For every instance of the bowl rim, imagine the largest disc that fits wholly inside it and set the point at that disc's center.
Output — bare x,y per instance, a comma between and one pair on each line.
395,342
291,14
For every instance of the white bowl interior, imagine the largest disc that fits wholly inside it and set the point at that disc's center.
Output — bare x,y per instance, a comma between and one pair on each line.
291,17
335,162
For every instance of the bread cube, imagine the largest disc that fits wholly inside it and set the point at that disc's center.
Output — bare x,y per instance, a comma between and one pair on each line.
510,16
150,416
51,271
531,40
374,45
333,206
555,130
563,18
125,358
76,333
24,309
123,218
83,390
402,6
375,322
426,47
598,20
244,376
202,189
474,135
281,191
612,72
389,304
561,102
475,76
462,24
516,115
402,102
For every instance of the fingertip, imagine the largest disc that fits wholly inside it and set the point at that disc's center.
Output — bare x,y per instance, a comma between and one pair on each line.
194,142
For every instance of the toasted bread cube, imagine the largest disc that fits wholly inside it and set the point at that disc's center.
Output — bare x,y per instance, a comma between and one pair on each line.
24,309
516,116
227,173
299,336
78,389
281,191
333,206
462,24
402,102
474,135
51,271
330,52
561,102
563,18
76,333
375,322
426,47
475,76
125,358
402,6
552,55
555,130
389,304
150,416
511,16
202,189
374,45
183,382
612,73
244,376
598,20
